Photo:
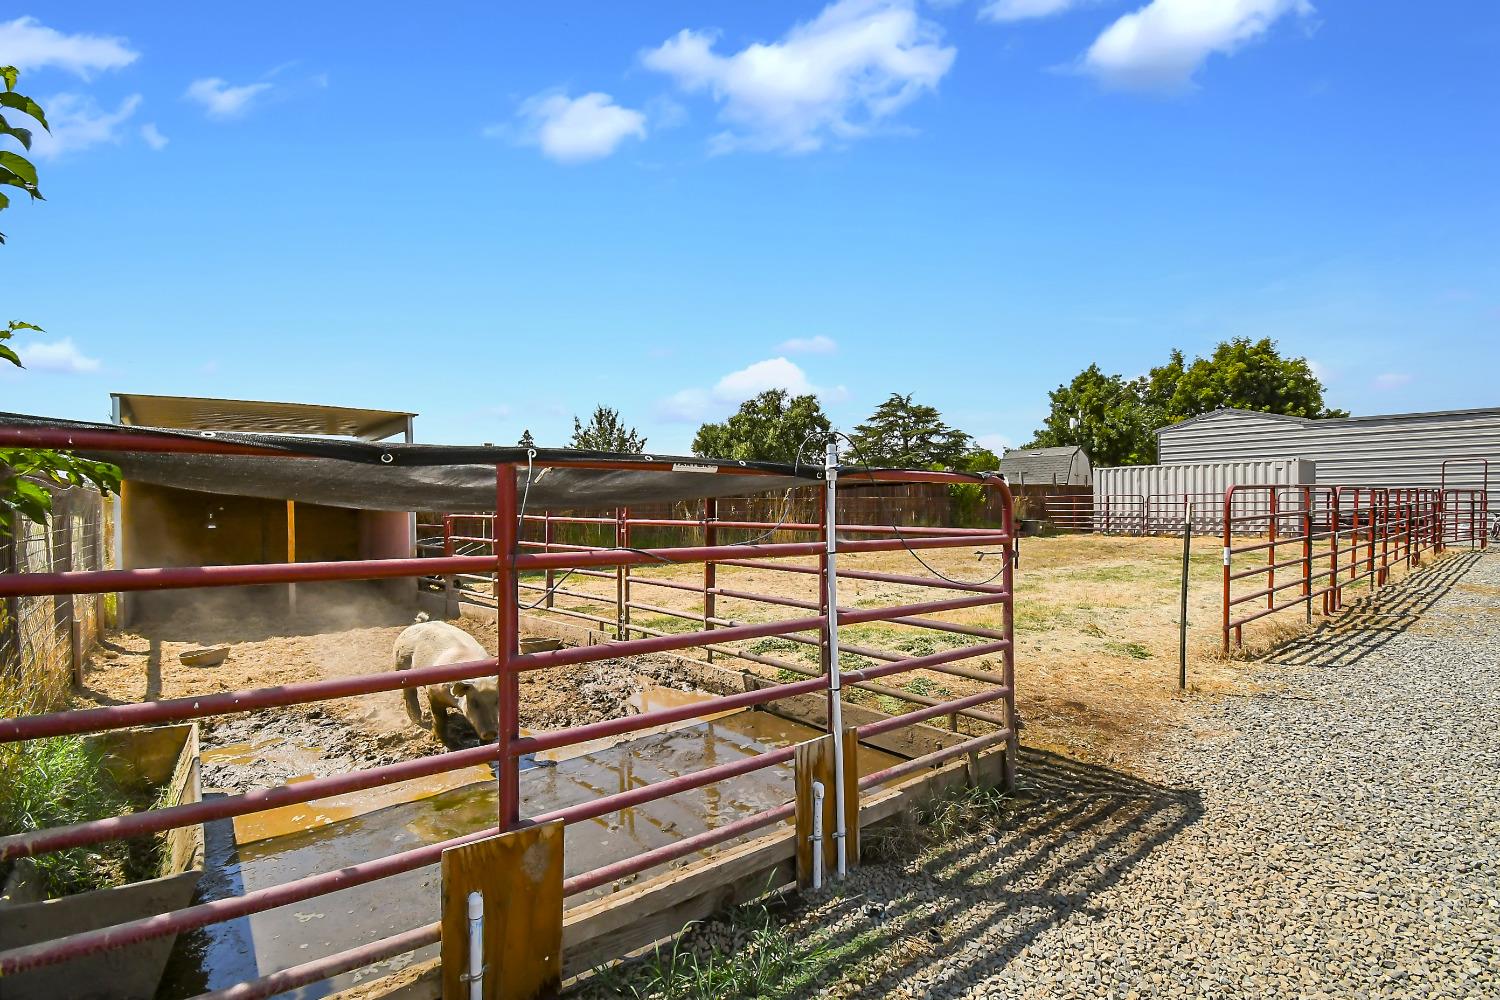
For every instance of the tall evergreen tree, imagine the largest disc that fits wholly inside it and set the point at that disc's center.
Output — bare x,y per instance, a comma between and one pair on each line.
905,434
606,432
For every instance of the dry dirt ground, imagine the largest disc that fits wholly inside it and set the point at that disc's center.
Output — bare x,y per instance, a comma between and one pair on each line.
1096,653
1096,631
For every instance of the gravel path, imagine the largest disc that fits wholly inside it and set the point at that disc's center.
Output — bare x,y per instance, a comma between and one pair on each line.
1336,837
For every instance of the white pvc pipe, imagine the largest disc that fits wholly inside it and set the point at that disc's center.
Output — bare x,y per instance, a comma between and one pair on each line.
817,835
835,672
475,975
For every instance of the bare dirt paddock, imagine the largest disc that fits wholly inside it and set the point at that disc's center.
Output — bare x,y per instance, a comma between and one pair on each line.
1096,660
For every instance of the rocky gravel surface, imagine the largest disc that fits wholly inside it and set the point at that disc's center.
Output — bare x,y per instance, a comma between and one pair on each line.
1336,834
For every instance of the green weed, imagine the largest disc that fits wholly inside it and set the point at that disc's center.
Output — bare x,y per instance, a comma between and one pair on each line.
1134,650
62,780
747,954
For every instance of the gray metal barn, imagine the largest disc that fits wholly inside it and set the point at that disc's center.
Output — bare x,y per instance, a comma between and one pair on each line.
1065,466
1399,449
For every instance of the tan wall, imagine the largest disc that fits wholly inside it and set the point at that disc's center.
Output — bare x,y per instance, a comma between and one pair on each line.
169,527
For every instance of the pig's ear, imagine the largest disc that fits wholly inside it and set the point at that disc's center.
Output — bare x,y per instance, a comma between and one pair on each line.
460,688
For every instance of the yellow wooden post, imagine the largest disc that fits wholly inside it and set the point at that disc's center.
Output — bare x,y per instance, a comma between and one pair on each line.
814,762
519,875
291,552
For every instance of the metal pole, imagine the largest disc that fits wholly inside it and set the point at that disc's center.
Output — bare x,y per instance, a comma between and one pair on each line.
1187,543
1228,502
625,574
621,615
836,714
1307,550
1011,555
710,568
817,836
508,770
547,547
475,975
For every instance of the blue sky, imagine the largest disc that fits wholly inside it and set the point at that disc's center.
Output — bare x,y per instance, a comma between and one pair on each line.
501,217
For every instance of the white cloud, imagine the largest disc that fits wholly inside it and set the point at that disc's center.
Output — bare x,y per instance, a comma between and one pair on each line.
809,345
28,44
1162,45
59,356
1022,10
773,373
78,123
153,137
221,100
575,129
686,406
834,77
996,443
1391,380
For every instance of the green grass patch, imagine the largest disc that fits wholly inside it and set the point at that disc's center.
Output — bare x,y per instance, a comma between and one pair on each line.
666,623
926,687
781,644
1127,573
1034,617
62,780
1134,650
750,953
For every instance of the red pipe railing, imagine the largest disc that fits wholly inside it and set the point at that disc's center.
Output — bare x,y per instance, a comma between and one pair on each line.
500,534
1338,535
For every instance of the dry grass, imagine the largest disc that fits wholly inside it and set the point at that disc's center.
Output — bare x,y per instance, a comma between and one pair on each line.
1096,630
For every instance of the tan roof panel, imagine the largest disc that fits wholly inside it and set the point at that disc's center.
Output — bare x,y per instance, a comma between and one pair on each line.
258,416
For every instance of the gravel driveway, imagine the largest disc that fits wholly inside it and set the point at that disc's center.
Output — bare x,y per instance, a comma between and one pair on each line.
1336,835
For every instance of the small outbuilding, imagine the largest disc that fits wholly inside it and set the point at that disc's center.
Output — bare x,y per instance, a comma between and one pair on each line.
1064,466
164,522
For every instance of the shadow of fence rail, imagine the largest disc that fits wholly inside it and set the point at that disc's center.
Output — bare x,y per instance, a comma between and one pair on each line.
1002,877
1071,831
1377,619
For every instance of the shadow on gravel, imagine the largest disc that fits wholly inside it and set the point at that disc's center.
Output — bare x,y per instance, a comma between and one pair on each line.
1376,619
1070,831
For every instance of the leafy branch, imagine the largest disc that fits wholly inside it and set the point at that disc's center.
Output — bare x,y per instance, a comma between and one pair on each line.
26,473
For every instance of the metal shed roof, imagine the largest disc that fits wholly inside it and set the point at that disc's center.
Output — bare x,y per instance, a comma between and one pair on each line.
257,416
1064,466
1478,411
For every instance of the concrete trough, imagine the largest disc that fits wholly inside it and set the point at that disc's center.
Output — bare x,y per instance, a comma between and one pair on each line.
159,762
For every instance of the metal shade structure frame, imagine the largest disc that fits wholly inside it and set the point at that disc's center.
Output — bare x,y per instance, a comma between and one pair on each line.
507,559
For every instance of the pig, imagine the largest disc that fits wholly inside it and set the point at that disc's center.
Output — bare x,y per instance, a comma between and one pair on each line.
431,644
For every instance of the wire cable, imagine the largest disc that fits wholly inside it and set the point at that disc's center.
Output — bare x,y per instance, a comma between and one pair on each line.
869,471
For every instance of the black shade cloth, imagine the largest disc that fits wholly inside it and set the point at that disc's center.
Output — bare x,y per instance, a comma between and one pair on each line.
341,472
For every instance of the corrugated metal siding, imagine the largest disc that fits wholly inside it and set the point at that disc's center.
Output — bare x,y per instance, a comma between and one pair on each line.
1198,477
1399,450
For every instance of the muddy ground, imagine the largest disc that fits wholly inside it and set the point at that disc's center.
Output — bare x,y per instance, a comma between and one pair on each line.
336,638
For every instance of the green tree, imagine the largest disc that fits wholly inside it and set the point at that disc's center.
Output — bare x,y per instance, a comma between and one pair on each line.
25,472
606,432
905,434
774,426
1241,374
1116,420
527,441
15,170
1103,413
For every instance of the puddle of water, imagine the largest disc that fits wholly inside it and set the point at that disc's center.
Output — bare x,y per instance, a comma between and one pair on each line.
650,698
227,953
324,812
